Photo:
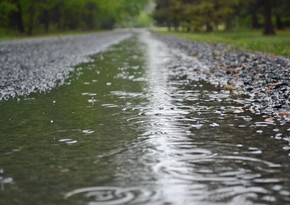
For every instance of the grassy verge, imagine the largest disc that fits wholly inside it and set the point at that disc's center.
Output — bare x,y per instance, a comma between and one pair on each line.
247,40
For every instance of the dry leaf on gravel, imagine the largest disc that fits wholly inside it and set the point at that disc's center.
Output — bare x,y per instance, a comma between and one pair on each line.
268,91
273,84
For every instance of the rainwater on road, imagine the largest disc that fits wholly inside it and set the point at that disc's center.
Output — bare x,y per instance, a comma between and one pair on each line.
132,127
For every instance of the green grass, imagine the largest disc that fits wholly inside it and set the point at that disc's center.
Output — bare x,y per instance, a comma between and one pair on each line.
8,37
246,40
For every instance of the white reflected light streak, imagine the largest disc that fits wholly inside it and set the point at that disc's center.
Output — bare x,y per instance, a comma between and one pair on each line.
164,129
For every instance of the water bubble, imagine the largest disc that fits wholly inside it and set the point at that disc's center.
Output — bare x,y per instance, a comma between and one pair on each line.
197,125
109,105
285,193
92,100
242,126
278,136
214,125
68,141
88,131
89,94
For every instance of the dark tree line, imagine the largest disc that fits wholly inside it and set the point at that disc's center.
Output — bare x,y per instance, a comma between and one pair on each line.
28,16
210,15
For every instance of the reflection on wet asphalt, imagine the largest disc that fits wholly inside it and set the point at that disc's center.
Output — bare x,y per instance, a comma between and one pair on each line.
132,127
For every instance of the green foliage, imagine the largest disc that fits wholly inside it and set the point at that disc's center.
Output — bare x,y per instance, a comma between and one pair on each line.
40,16
195,14
211,15
144,20
5,9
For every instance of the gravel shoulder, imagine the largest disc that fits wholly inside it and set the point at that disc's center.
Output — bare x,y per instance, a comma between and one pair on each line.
264,78
40,64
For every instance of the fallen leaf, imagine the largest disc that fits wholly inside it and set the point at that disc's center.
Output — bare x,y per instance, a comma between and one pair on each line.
273,84
231,71
228,87
236,75
284,113
255,90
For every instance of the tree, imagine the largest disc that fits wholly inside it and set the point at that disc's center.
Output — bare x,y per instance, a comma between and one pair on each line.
44,15
268,24
15,17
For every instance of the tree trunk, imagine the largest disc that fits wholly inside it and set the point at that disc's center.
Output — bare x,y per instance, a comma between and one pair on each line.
31,18
46,20
176,26
268,24
279,23
229,25
168,26
61,17
208,27
15,18
255,21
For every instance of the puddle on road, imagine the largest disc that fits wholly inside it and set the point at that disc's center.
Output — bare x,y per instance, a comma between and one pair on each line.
134,128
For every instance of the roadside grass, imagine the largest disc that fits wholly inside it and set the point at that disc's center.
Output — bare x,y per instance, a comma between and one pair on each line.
251,40
4,37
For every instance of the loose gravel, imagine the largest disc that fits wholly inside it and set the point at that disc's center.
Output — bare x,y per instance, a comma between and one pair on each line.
264,78
38,65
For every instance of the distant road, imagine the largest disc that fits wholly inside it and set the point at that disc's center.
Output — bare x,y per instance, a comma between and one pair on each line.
40,64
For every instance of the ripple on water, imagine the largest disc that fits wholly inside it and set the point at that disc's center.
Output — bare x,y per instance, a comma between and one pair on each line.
229,179
114,195
201,166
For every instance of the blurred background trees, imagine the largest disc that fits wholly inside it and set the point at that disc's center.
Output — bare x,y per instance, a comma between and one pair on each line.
43,16
30,16
213,15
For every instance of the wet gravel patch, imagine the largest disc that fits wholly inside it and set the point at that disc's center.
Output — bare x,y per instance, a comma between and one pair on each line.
263,78
38,65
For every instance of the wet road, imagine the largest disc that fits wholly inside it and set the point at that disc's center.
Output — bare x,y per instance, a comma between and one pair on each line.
132,127
40,64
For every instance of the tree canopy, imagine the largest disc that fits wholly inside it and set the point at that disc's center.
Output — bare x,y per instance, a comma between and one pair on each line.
209,15
27,16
